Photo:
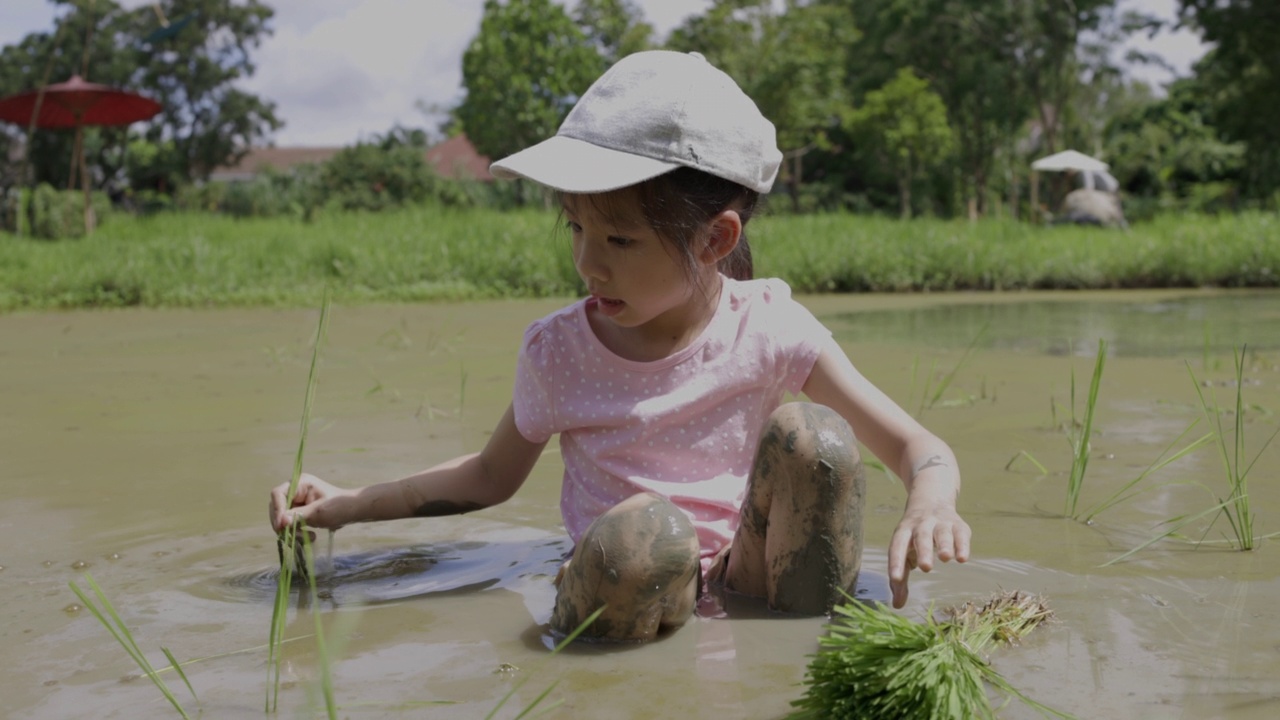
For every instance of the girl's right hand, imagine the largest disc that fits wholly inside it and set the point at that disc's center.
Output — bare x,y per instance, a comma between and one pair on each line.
316,502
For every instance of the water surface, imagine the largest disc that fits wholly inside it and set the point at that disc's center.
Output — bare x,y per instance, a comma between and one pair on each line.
139,445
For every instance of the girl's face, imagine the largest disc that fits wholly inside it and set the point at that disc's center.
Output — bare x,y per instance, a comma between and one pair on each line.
638,279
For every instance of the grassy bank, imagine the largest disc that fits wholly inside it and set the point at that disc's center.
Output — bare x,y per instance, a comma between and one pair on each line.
432,254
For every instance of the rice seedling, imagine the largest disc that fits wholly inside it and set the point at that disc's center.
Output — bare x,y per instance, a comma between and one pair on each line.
1235,506
122,635
874,663
1126,491
287,542
1080,435
927,400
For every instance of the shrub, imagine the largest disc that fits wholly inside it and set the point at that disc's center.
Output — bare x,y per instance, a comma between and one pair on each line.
58,214
377,177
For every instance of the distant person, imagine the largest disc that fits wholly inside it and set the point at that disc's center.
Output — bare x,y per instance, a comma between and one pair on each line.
684,470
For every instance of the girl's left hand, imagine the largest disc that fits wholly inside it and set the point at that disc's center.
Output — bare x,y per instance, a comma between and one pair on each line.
928,530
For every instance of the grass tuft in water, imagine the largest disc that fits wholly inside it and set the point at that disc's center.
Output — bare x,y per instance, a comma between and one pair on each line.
1235,507
929,399
1080,434
287,542
874,663
1127,490
122,635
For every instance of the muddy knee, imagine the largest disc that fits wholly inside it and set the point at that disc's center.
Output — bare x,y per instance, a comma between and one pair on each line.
815,518
640,560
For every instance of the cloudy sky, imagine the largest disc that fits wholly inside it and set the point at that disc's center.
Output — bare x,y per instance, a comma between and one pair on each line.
340,70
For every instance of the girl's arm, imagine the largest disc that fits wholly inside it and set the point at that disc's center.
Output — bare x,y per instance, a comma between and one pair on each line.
930,526
467,483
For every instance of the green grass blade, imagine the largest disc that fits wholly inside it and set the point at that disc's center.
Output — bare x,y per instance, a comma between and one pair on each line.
1082,445
288,537
321,331
536,701
1122,494
582,626
949,377
173,663
1181,522
122,635
219,656
1261,450
326,674
549,708
928,384
1023,453
505,698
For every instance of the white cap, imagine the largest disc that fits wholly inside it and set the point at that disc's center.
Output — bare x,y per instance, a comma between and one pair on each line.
650,113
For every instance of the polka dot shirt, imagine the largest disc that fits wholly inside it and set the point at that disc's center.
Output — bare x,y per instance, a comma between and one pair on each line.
686,426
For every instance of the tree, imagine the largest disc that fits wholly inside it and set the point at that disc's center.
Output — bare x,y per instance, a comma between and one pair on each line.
208,120
791,62
1242,76
906,123
522,74
615,27
1165,148
205,121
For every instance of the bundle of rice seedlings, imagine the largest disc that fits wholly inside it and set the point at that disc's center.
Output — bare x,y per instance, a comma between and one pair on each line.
293,545
874,663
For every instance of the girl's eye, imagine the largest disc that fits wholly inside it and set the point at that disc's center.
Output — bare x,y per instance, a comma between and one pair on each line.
573,226
619,241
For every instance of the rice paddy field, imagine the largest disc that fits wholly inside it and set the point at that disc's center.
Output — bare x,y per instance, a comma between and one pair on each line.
144,422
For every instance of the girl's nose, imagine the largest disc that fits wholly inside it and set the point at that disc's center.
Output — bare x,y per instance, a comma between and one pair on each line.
588,262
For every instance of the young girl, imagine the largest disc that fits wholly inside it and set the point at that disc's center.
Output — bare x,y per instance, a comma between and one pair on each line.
683,468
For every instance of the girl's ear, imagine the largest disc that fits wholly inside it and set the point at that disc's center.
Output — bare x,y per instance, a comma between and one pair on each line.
722,237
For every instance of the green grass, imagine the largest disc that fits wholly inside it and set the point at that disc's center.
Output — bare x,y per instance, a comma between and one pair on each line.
417,254
122,635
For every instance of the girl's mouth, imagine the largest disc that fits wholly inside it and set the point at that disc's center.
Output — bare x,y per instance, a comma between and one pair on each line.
609,307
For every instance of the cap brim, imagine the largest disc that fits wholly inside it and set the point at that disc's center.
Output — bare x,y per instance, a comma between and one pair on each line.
575,166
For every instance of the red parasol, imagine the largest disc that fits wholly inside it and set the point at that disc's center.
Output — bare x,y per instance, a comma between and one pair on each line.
74,104
77,102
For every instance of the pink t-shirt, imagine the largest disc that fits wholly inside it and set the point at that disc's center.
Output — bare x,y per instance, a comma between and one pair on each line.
685,427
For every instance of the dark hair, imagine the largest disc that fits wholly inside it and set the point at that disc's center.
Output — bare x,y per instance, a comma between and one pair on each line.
679,204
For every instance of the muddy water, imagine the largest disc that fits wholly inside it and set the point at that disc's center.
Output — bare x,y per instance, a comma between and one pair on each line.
138,446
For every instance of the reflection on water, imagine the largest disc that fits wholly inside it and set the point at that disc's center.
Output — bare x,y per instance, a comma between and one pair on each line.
1186,326
402,573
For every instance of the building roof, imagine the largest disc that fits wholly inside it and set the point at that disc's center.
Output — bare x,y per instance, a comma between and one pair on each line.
457,158
278,158
454,158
